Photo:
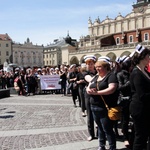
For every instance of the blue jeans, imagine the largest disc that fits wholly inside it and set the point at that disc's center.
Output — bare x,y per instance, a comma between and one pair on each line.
105,127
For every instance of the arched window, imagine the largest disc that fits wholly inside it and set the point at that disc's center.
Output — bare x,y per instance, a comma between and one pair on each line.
146,37
117,41
131,39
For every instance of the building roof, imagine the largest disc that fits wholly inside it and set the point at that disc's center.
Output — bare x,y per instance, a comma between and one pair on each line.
57,43
5,37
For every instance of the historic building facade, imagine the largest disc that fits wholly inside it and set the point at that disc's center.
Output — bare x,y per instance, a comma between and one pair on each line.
57,53
27,54
5,49
115,37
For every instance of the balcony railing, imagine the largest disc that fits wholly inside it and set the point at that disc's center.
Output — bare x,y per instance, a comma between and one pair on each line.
108,48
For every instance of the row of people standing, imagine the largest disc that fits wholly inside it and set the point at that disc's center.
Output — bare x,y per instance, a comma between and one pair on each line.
132,82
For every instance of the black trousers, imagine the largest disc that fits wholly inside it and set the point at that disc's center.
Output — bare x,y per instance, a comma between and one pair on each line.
90,119
82,98
142,132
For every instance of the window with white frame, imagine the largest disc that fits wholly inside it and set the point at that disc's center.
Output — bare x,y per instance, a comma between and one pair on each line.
131,39
117,40
146,37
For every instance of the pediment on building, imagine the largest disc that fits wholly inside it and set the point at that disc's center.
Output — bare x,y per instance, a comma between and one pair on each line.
119,17
107,20
132,15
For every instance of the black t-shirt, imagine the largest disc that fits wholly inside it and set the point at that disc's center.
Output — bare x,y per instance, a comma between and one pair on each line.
63,76
72,75
140,88
88,73
111,99
80,76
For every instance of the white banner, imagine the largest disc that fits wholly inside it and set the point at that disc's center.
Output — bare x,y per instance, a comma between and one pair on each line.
49,82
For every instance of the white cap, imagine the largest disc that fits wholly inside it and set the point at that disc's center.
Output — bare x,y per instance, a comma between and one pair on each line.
118,59
104,58
139,48
89,57
52,69
56,68
124,58
73,65
17,69
39,69
131,55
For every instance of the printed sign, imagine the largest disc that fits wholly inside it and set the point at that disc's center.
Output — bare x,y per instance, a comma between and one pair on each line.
49,82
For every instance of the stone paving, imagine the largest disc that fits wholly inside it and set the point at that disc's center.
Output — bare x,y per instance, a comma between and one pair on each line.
43,122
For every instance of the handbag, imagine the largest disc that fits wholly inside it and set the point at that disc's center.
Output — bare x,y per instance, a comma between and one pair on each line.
114,113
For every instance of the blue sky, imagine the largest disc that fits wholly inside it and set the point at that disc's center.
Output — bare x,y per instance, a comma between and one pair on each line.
42,21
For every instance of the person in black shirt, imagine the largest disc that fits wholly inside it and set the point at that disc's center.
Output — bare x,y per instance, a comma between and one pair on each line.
140,101
88,75
63,77
125,92
81,85
103,84
72,77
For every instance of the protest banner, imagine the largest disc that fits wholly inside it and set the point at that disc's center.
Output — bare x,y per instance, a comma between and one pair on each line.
49,82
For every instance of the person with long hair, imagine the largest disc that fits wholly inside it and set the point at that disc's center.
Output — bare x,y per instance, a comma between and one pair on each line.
72,77
140,102
125,93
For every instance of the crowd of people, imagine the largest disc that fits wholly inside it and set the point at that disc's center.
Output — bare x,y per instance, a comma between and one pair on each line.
126,79
127,82
26,81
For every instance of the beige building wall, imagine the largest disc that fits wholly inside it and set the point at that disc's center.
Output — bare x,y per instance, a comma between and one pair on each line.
132,23
52,56
27,54
5,51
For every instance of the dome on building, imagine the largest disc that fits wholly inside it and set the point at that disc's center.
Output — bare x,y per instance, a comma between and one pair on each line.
68,39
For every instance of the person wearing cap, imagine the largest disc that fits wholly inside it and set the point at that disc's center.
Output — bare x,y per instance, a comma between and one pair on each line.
140,97
103,84
117,66
88,75
125,95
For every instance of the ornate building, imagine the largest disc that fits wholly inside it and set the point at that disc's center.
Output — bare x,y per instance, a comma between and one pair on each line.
115,37
27,54
5,49
57,53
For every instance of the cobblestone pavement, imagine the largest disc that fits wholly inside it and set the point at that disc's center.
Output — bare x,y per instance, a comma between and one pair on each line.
43,122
